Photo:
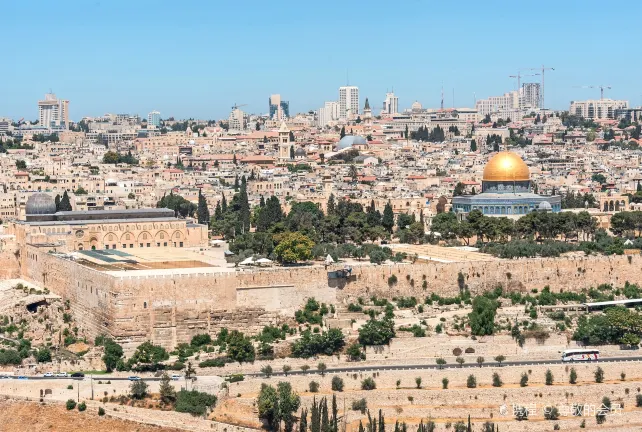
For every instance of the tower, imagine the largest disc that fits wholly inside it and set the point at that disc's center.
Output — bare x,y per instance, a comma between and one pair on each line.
367,113
284,142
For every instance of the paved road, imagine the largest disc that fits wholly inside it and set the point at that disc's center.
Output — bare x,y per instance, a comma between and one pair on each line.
350,369
448,366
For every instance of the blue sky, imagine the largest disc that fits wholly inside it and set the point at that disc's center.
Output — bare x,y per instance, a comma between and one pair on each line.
197,58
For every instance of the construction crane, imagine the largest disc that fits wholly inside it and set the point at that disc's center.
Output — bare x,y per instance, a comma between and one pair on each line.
235,106
601,87
519,78
543,69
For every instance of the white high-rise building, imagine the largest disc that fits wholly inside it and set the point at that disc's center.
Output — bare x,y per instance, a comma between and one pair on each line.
597,109
328,113
391,104
530,96
237,120
53,112
348,102
153,119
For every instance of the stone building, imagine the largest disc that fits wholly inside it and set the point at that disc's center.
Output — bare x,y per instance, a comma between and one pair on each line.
104,229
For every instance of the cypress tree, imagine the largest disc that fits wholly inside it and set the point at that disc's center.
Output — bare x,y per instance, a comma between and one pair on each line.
57,200
236,183
223,205
303,422
218,214
291,151
343,131
473,146
331,205
262,202
325,421
382,423
65,204
335,414
315,417
388,220
244,211
202,212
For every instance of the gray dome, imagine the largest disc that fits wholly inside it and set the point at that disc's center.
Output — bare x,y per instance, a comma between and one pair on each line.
350,140
299,152
40,204
545,205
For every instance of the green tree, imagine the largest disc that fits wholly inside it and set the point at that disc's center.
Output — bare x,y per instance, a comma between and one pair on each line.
572,377
473,145
138,389
166,390
599,375
388,220
65,204
549,377
482,318
377,332
240,348
194,402
459,189
294,247
113,353
343,132
202,212
21,164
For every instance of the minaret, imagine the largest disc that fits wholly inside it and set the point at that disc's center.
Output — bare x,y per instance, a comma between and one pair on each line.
284,142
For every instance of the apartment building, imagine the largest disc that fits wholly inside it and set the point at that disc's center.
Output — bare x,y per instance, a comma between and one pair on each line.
597,109
348,102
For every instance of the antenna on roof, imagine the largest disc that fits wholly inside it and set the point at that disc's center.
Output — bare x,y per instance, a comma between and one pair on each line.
442,96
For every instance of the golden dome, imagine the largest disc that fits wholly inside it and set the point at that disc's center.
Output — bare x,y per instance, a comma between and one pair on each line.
506,166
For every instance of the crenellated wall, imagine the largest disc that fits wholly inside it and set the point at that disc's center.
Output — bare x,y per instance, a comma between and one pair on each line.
169,309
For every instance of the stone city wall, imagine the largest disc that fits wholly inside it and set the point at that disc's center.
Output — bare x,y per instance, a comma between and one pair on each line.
169,309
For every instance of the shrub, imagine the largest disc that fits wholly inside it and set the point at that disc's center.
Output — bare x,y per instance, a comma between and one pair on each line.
70,387
497,381
622,376
71,404
337,384
418,382
549,377
599,375
235,378
521,413
82,406
392,280
572,377
194,402
552,413
101,411
471,382
368,384
267,371
216,362
360,405
444,383
523,382
638,400
201,339
314,387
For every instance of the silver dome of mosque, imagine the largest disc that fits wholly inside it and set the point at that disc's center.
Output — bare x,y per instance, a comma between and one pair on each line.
40,204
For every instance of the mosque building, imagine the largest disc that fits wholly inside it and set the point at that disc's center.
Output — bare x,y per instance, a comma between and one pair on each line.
506,190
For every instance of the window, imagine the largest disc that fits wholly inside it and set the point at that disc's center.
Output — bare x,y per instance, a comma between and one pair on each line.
181,244
131,245
140,245
124,246
148,244
165,244
157,244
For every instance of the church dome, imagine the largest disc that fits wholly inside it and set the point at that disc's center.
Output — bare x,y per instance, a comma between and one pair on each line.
350,140
40,204
416,106
300,152
545,206
506,166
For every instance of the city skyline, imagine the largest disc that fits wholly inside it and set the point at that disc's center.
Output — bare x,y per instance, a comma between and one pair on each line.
209,73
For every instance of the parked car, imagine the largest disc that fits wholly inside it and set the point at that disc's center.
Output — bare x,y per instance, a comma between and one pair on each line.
61,374
134,378
48,374
22,377
176,377
77,375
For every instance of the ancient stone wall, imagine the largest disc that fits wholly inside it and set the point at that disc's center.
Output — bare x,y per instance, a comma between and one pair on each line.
170,309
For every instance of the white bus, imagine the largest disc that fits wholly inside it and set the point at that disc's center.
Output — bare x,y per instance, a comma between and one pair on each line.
580,355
